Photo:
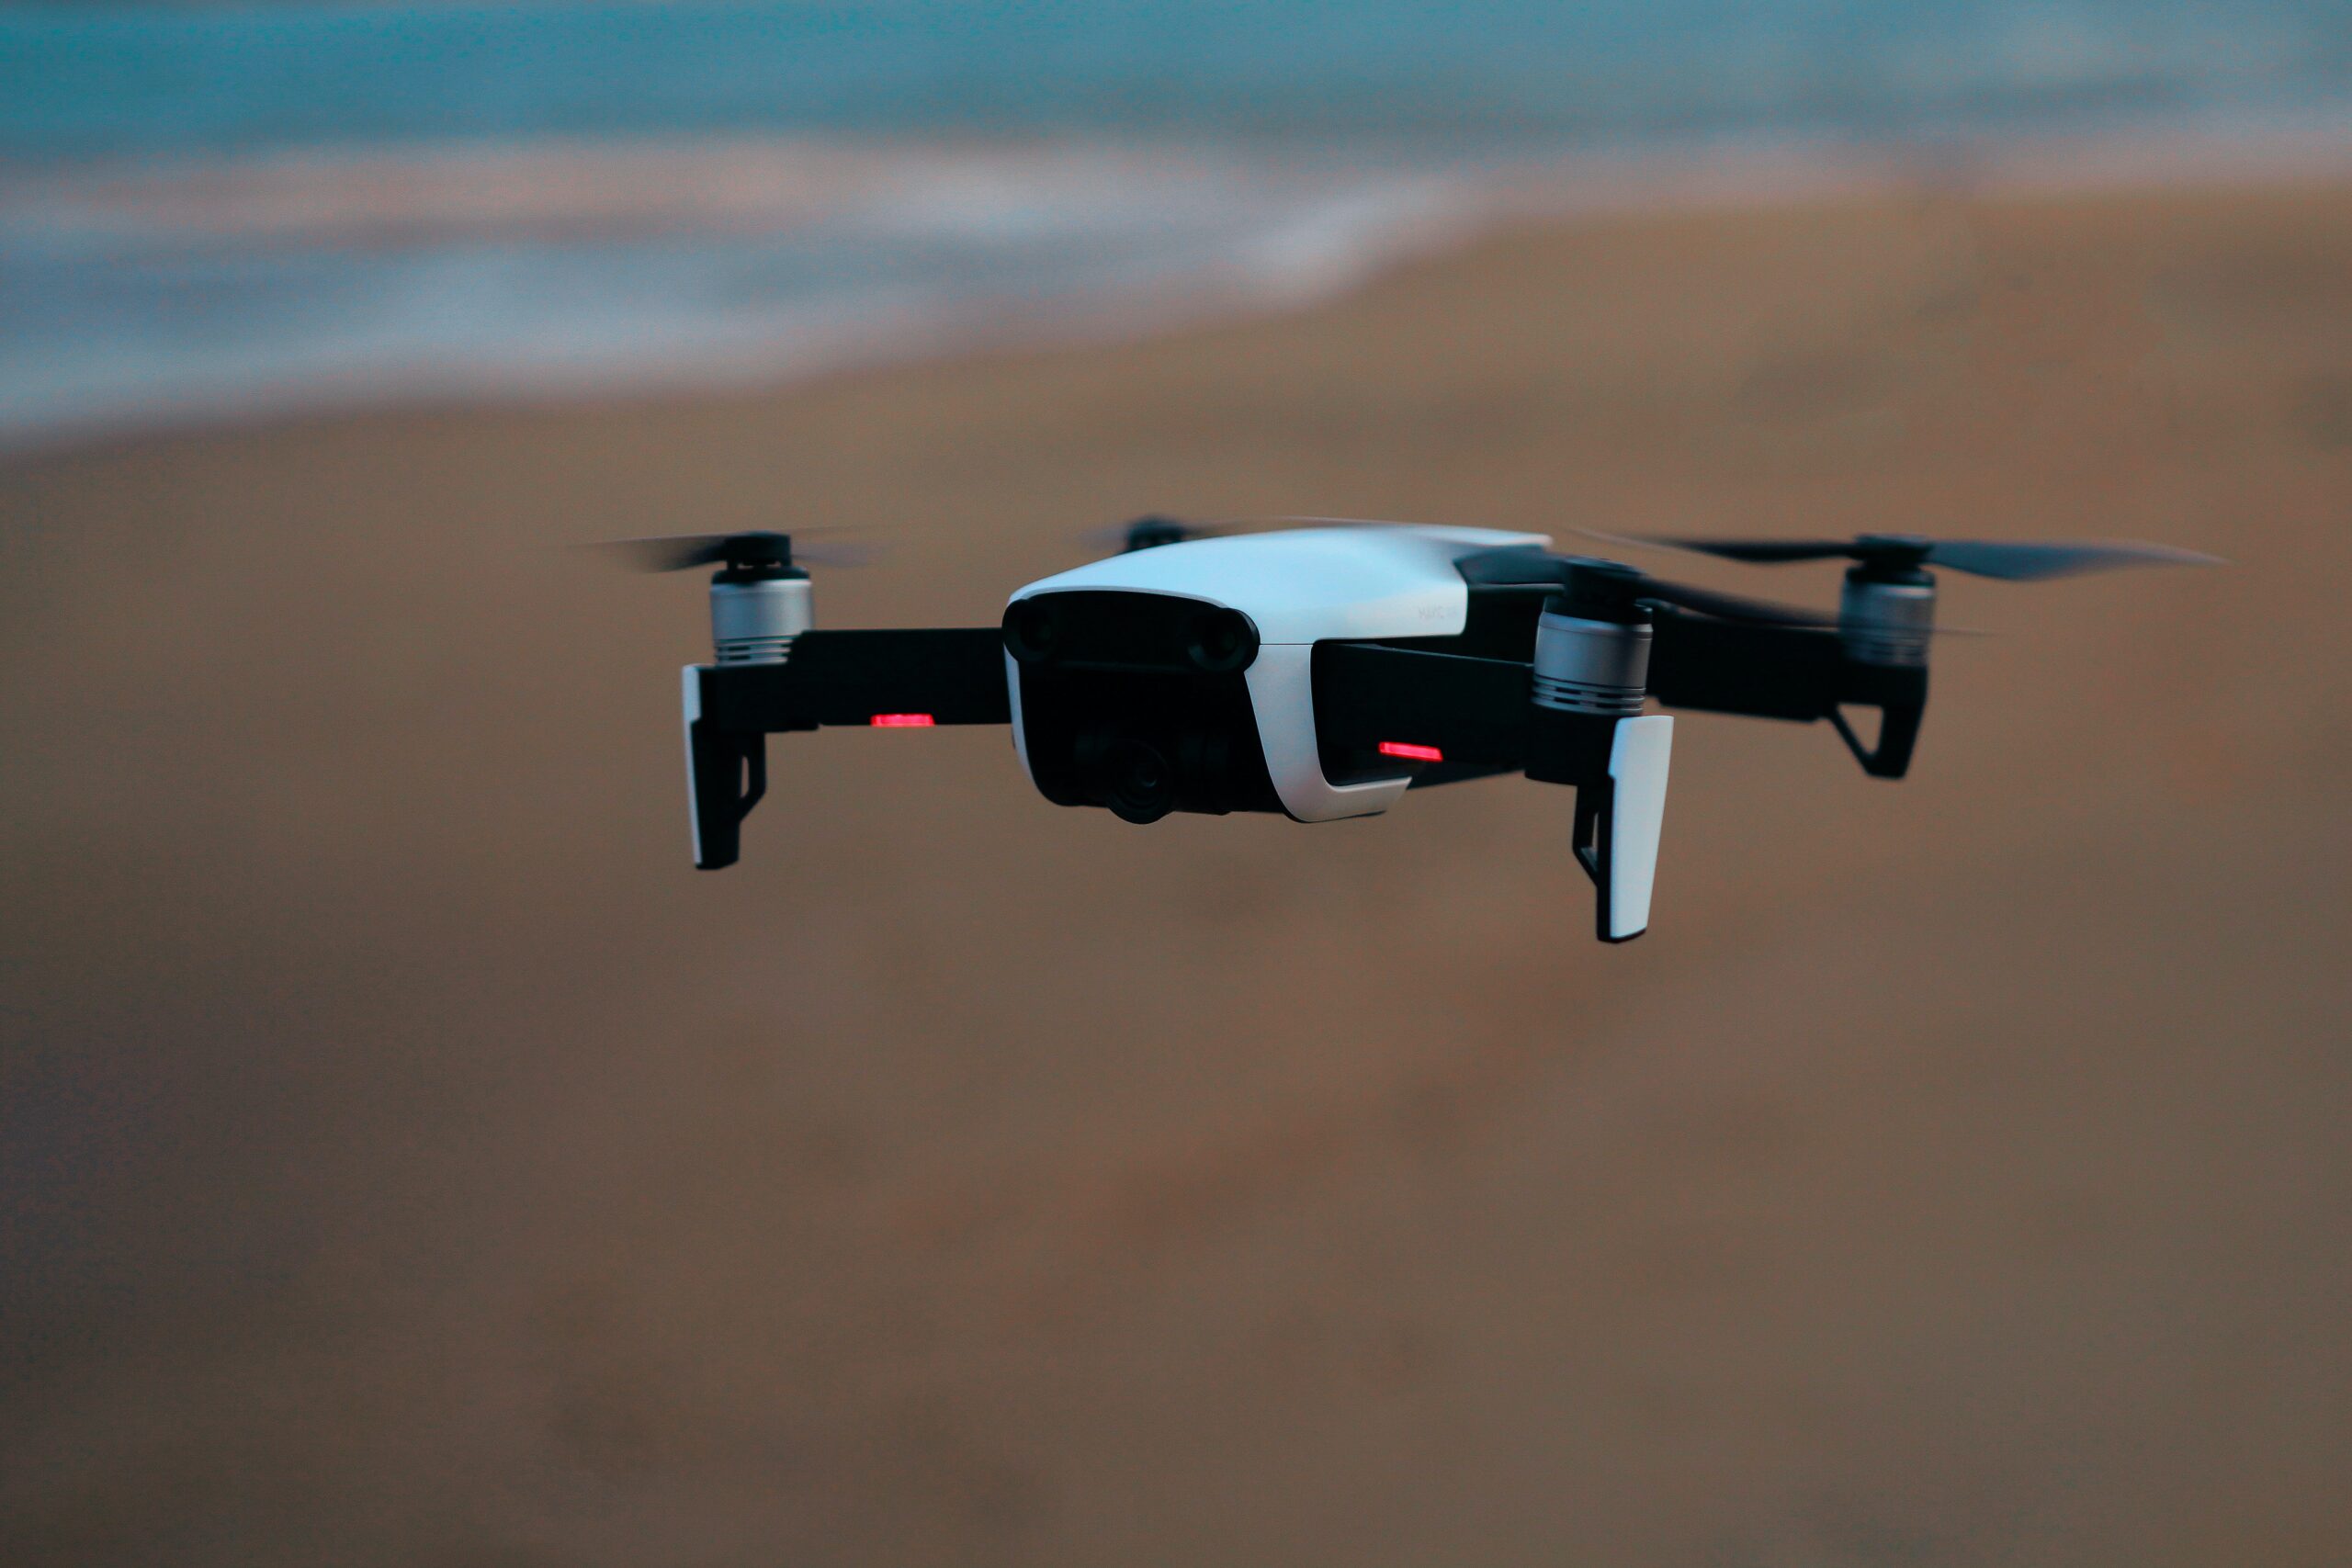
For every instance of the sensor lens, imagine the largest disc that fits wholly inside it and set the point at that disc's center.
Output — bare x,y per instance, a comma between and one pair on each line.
1032,631
1222,641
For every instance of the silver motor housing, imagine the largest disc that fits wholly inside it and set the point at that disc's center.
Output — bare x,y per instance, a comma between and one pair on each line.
1596,667
1886,624
753,621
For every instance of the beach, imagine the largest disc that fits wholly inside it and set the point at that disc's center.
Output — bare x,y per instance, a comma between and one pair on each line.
411,1159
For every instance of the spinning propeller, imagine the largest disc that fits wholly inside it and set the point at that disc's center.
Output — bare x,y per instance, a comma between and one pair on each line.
1602,590
1609,587
1150,532
760,550
2008,561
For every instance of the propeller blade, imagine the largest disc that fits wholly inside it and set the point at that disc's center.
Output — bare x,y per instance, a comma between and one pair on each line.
678,552
1531,566
2034,562
1286,521
683,552
1762,552
1733,606
1148,533
1512,566
844,553
2011,561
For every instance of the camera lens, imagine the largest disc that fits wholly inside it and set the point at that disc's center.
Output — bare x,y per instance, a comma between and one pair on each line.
1222,641
1137,783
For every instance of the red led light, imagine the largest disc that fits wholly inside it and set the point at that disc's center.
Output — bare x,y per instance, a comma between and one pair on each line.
903,721
1411,752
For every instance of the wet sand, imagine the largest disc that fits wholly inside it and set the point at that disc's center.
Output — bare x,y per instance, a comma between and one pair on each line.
409,1160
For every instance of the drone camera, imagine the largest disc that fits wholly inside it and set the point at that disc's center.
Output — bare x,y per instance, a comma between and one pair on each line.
1137,703
1143,780
1143,746
1137,781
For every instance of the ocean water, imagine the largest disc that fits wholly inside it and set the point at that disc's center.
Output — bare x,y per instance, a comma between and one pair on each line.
212,211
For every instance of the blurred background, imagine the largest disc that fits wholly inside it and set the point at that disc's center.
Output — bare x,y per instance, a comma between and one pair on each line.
218,209
405,1157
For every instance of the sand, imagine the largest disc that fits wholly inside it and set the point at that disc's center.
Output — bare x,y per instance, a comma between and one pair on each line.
409,1160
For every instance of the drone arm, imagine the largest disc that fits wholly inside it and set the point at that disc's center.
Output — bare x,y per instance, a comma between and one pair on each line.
1472,713
938,676
879,678
1786,672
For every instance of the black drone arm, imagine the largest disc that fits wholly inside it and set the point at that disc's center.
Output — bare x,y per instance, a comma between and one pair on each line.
945,676
914,678
1786,672
1473,712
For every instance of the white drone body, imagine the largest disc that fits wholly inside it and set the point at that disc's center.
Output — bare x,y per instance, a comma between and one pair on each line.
1322,671
1304,586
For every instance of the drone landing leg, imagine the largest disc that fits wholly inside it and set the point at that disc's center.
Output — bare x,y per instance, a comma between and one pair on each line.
1618,817
1617,768
728,773
1587,838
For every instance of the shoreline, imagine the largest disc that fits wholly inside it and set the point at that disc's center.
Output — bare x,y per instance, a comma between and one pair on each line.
1419,216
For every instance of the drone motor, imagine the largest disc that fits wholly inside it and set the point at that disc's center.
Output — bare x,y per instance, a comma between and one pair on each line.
1592,644
760,597
759,602
1887,607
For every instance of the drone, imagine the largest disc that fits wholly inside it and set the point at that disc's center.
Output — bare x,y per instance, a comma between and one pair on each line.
1321,671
